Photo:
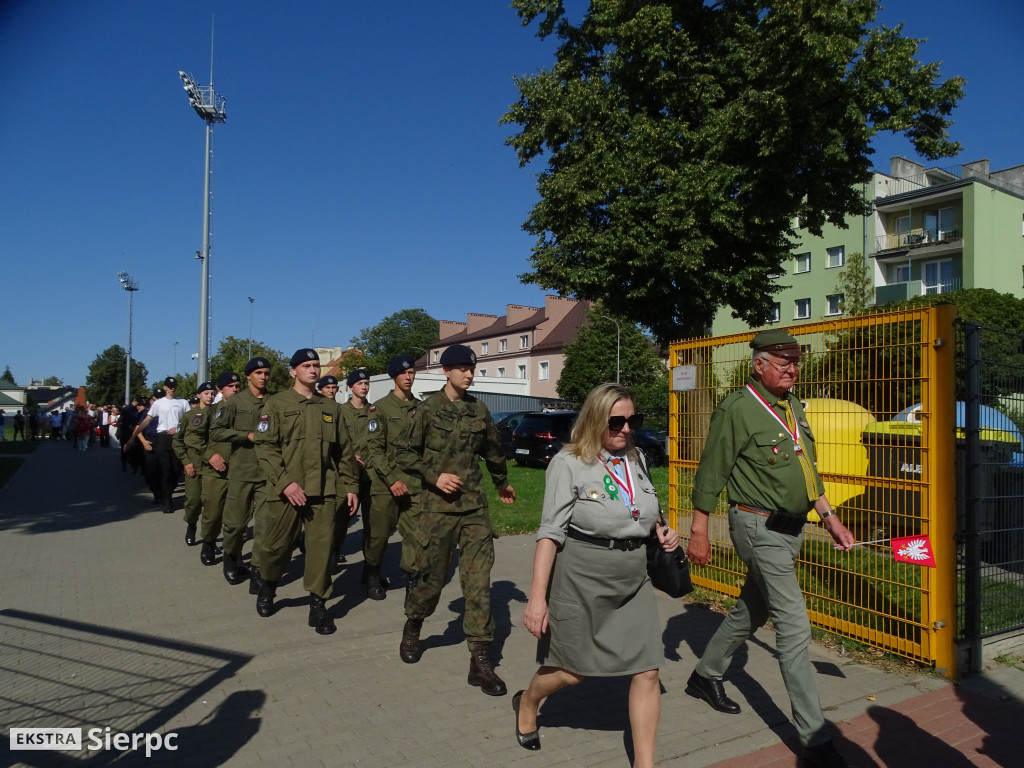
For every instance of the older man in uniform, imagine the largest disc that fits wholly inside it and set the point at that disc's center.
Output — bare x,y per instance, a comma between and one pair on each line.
358,414
393,491
306,455
215,471
761,450
189,443
234,423
449,433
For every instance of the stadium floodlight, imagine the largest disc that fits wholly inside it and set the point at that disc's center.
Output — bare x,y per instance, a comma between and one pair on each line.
131,285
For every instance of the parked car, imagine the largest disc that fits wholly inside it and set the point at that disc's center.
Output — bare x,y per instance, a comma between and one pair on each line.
540,435
652,444
506,422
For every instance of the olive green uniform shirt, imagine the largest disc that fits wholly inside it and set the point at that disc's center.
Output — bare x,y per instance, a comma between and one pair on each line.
189,439
752,456
304,440
449,436
356,420
233,420
389,423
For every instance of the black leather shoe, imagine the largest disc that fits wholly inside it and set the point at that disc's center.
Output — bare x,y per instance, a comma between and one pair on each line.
254,580
208,554
713,692
190,534
529,740
265,599
319,618
409,649
234,571
375,589
822,756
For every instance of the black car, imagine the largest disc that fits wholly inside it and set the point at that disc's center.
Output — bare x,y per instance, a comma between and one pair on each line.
652,445
540,435
506,422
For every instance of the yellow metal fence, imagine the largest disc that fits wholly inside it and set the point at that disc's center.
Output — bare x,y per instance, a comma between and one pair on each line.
879,396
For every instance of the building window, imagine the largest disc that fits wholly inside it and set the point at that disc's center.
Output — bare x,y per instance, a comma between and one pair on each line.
802,309
543,371
501,373
483,371
937,277
834,301
503,345
836,257
484,346
524,341
803,263
901,274
437,355
938,225
521,371
776,314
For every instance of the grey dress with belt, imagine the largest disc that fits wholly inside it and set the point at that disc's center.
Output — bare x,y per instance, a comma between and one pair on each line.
602,617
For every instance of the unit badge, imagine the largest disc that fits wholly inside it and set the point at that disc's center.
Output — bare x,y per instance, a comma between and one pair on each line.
372,425
328,418
197,421
264,424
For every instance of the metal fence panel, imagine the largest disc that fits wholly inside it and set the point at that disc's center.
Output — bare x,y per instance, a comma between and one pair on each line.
877,396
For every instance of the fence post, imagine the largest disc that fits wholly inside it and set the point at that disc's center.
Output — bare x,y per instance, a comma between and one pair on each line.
938,378
969,527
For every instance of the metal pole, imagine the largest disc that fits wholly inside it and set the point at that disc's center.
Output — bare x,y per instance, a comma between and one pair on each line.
128,363
974,504
204,291
250,326
174,371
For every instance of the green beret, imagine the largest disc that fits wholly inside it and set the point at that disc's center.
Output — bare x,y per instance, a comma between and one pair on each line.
774,340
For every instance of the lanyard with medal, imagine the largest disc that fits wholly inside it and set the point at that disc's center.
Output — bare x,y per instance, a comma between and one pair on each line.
612,479
793,433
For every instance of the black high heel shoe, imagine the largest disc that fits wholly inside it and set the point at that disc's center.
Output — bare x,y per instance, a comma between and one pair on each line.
529,740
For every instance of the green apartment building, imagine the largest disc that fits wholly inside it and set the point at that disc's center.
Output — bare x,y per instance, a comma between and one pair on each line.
929,230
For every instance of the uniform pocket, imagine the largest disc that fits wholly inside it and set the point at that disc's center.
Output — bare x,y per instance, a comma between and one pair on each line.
564,622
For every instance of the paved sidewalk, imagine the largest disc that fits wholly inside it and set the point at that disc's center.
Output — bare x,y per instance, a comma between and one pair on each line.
107,619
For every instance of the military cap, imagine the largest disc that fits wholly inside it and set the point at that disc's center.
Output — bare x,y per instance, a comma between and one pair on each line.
458,354
228,377
171,382
158,392
325,380
359,374
398,364
205,386
303,355
255,364
774,340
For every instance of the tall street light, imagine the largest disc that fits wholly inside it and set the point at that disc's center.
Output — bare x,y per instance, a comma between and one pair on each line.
251,300
131,285
618,335
209,105
174,370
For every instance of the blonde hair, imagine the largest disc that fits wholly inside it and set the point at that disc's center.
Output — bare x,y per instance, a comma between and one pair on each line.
585,443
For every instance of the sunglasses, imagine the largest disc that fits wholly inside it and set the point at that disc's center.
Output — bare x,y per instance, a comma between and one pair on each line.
616,423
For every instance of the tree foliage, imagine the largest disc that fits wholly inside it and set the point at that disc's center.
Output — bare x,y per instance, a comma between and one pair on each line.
406,332
7,375
104,385
856,285
233,354
590,360
53,381
687,140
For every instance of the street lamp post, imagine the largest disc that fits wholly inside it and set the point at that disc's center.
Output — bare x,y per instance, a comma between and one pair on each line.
209,105
174,370
251,300
618,336
131,285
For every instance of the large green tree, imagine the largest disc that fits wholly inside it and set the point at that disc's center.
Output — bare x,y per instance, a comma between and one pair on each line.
104,384
590,359
406,332
687,140
7,375
233,354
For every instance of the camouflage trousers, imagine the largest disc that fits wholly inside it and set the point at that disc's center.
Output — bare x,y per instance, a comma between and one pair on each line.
215,494
414,540
471,532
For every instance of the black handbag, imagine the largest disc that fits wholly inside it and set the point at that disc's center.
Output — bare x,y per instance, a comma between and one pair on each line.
669,571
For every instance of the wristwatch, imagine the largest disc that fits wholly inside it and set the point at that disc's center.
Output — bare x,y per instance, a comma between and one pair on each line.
826,514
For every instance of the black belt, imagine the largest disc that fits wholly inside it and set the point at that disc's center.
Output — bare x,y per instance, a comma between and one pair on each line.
624,545
778,521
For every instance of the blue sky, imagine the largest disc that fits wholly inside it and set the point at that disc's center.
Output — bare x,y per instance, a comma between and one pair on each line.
361,170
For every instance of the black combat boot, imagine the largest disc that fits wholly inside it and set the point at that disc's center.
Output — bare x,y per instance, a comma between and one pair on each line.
234,571
375,589
254,580
190,534
409,650
265,599
318,616
208,554
481,672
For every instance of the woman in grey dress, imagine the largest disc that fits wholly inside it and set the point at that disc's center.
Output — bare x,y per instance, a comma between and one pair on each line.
591,605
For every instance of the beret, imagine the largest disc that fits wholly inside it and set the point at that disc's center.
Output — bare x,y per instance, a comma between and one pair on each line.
303,355
204,387
228,377
325,380
398,364
458,354
359,374
255,364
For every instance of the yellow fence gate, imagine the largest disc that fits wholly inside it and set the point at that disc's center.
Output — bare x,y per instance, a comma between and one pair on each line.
878,391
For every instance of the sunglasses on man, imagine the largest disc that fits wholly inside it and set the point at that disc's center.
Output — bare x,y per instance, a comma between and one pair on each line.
616,423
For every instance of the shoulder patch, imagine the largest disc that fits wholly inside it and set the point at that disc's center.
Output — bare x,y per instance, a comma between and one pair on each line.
328,418
264,424
372,425
218,413
373,408
197,421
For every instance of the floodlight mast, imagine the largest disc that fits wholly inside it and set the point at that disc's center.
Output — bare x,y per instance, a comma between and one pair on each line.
131,285
210,106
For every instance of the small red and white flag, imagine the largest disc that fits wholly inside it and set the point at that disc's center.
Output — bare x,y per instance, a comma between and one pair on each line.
916,550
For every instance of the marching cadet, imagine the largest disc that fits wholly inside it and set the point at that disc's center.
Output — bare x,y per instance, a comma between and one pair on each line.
448,434
235,423
393,492
215,473
188,445
306,455
356,413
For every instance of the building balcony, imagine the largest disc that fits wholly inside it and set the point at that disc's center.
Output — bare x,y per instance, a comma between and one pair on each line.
918,238
895,293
